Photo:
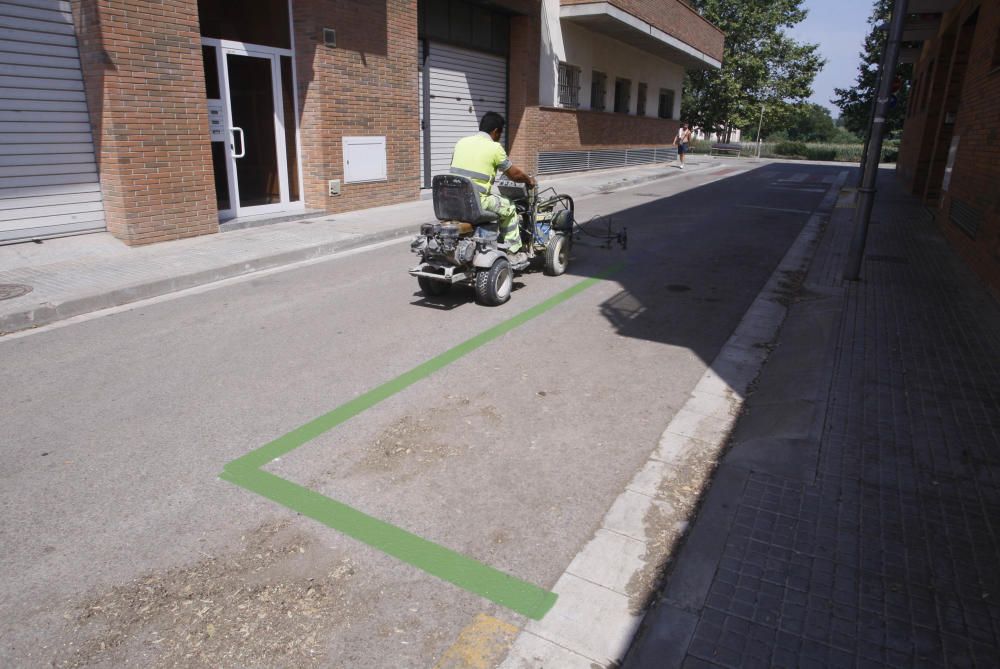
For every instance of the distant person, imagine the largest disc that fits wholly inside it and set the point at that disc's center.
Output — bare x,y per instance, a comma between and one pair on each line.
681,141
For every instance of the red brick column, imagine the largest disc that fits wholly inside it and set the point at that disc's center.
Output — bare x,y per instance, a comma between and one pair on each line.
146,94
366,85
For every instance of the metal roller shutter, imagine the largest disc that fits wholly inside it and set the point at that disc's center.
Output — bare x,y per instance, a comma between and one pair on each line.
48,176
463,85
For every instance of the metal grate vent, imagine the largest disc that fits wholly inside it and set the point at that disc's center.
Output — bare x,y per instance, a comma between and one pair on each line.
966,217
550,162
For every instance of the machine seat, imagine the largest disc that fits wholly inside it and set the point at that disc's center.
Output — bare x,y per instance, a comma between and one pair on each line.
455,199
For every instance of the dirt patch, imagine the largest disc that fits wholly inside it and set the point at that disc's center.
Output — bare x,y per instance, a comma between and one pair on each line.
271,603
414,443
665,526
789,286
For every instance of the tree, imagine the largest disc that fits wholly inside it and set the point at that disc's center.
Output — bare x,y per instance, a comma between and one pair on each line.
856,103
812,123
761,65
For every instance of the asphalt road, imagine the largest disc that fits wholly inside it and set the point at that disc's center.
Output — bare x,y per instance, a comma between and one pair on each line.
123,546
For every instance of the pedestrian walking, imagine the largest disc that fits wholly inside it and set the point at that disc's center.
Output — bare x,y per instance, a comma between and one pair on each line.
681,141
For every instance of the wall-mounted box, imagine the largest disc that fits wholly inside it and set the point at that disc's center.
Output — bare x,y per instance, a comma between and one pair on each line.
364,159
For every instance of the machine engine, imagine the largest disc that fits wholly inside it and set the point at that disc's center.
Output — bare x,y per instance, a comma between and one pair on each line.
453,242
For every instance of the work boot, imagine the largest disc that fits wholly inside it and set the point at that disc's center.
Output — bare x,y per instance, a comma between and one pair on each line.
517,258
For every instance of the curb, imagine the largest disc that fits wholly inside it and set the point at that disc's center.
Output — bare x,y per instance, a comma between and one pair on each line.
597,614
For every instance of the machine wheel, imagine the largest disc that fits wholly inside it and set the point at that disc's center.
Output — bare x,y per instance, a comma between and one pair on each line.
556,255
433,288
493,285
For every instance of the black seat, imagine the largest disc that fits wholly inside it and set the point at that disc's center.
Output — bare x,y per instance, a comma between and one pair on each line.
455,199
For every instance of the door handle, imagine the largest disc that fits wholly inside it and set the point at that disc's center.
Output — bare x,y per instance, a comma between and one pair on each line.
243,142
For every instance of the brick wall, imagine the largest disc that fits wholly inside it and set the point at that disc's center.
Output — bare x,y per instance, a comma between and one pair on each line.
675,18
977,164
366,85
554,129
146,94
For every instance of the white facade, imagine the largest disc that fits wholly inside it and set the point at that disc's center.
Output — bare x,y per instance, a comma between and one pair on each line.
563,41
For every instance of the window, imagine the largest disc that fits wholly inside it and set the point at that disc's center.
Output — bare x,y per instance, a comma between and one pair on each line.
640,104
666,103
569,85
598,88
623,95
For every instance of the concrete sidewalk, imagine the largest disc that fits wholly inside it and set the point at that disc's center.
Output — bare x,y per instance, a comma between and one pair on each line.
76,275
855,520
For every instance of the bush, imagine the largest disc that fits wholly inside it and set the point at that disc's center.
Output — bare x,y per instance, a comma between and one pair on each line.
820,153
791,149
848,153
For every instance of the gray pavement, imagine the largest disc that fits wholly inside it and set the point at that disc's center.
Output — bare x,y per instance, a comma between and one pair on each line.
77,275
855,520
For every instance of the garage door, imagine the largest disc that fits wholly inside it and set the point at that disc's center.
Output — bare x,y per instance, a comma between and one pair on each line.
48,175
462,86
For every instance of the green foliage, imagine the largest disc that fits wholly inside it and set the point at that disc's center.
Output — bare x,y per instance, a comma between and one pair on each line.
856,103
761,66
791,149
848,152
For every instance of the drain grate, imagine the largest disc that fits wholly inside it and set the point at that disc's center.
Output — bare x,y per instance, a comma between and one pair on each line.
899,260
8,291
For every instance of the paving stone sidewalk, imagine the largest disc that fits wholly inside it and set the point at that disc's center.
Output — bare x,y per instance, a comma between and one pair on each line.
855,521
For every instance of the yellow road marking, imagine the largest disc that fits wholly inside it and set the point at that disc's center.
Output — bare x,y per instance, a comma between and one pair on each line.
481,645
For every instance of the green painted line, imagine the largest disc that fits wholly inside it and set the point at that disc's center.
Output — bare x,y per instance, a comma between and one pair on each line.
433,558
474,576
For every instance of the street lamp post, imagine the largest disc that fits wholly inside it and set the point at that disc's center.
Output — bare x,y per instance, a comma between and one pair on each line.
759,124
863,213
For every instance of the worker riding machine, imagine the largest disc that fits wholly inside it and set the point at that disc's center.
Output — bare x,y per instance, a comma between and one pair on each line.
464,246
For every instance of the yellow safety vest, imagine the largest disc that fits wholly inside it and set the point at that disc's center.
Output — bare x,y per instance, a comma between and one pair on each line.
478,157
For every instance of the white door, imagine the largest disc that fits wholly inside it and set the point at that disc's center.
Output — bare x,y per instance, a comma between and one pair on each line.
253,127
48,175
462,85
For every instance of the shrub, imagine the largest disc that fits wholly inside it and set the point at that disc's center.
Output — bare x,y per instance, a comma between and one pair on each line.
791,149
820,153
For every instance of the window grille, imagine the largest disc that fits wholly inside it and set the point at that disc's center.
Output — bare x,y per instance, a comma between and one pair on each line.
569,85
666,103
598,90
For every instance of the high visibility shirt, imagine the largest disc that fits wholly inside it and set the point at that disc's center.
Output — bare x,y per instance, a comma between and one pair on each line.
478,157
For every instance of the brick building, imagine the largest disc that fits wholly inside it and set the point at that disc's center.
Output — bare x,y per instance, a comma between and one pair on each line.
950,152
174,118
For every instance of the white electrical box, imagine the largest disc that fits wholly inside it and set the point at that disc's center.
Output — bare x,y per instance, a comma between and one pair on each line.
364,159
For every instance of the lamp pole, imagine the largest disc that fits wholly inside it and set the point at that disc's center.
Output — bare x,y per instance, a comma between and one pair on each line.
863,213
759,124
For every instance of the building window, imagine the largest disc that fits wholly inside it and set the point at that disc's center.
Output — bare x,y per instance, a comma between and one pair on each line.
640,104
666,103
598,89
623,95
569,85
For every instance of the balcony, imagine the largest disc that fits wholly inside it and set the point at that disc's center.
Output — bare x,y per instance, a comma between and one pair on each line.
669,29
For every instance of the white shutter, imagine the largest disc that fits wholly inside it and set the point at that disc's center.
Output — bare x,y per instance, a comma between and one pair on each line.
48,176
464,85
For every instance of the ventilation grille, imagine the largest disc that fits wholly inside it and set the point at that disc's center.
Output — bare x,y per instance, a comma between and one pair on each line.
966,217
550,162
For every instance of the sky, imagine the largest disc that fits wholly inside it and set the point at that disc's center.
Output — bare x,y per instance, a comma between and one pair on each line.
839,27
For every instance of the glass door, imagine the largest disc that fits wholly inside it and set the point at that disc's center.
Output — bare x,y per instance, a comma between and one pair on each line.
255,148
